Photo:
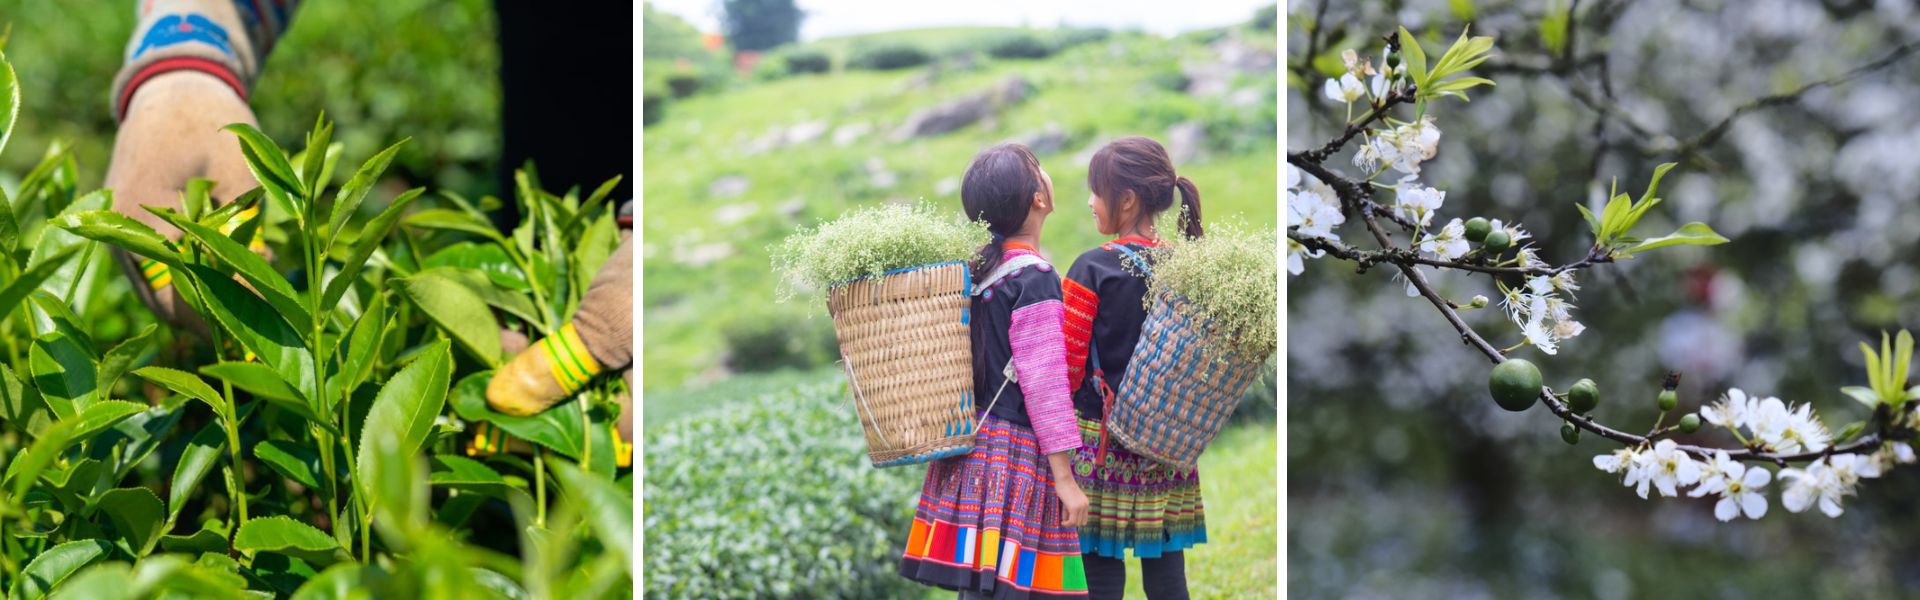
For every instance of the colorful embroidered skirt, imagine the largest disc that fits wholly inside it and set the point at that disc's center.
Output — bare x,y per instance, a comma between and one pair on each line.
989,521
1137,503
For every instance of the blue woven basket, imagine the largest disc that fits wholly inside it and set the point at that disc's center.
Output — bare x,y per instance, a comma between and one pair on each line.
1177,393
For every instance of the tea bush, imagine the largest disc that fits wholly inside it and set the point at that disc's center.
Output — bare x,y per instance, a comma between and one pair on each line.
887,56
1020,45
323,398
803,61
820,523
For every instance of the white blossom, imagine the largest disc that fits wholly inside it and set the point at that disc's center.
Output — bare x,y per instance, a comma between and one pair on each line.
1738,485
1314,214
1297,255
1670,468
1826,481
1784,429
1416,203
1346,89
1450,243
1882,460
1731,411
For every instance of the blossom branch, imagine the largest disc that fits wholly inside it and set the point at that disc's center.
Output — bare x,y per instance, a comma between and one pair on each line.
1359,197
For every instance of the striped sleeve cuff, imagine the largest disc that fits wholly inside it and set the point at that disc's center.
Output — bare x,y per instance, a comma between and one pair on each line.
228,39
567,358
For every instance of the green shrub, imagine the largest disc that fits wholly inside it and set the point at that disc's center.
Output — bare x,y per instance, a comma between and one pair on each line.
807,60
682,85
653,108
1020,45
771,340
888,56
1074,36
774,498
867,242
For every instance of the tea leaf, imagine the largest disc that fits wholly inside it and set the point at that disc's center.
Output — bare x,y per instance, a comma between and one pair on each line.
195,461
202,541
280,534
250,267
121,357
186,384
30,280
364,246
468,475
120,231
452,220
64,373
609,510
55,441
404,410
290,460
491,259
55,565
137,515
363,347
255,323
269,165
266,384
347,201
9,228
316,153
557,428
9,101
196,200
455,308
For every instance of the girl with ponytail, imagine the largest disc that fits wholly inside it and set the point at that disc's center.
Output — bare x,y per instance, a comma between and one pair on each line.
1003,520
1137,504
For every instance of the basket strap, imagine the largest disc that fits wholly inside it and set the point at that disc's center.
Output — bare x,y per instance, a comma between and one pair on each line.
854,386
1106,399
1137,259
1007,267
1011,376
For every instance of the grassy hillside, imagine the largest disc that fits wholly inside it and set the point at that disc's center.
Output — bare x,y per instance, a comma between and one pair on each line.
731,171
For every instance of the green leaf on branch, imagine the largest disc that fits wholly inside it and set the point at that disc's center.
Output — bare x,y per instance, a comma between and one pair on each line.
557,428
280,534
457,309
56,564
1413,57
347,201
269,164
1691,234
404,410
136,514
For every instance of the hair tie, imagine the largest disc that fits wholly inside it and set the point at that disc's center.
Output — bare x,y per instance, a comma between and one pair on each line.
997,238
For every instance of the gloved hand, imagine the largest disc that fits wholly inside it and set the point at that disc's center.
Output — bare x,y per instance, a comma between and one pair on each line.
598,339
172,133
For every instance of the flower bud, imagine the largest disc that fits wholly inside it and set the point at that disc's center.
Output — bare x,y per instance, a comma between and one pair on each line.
1479,301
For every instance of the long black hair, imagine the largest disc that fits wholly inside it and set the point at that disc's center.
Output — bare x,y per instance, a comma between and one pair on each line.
1141,166
998,189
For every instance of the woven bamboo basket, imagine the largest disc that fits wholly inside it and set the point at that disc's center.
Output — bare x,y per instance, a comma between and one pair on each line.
1177,393
909,360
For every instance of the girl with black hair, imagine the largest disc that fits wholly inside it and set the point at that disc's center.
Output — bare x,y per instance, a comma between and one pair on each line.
1003,521
1137,504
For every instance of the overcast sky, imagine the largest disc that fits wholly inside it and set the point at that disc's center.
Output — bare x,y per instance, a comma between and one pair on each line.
830,18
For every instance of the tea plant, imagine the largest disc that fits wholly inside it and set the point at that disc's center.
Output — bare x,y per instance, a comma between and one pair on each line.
325,389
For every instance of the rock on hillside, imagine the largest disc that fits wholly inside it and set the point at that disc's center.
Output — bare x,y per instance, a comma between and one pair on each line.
964,111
